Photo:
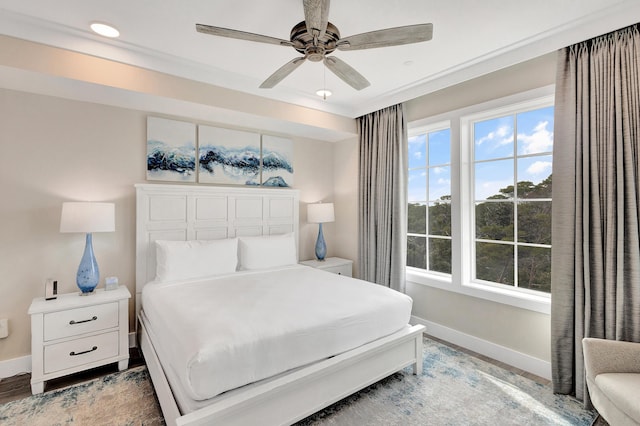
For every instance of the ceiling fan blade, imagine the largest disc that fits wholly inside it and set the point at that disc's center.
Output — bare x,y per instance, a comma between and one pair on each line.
346,73
388,37
282,72
240,35
316,16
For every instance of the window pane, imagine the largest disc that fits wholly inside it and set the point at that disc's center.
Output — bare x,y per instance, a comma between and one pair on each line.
417,181
534,268
417,252
493,138
536,171
440,255
494,221
534,222
440,219
417,218
494,262
439,183
535,131
493,180
418,151
440,147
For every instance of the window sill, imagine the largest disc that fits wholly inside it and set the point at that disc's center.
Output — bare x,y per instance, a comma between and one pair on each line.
517,299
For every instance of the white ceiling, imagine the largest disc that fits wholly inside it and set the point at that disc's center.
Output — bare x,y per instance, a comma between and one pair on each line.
471,38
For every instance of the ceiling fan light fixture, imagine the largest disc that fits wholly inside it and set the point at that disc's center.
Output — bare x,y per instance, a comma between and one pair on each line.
104,30
324,93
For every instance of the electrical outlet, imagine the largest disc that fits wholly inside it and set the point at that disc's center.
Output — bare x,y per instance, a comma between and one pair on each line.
4,328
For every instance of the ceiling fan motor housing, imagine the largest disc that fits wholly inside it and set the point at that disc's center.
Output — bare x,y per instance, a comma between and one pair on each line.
314,50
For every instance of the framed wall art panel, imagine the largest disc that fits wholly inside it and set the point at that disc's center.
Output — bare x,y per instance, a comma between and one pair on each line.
171,150
277,161
228,156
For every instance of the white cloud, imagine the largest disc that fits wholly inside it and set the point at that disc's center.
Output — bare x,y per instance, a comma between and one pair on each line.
419,140
539,167
421,175
417,155
503,135
486,189
541,140
438,170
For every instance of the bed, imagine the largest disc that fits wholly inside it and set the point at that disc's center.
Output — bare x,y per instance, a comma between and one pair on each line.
287,340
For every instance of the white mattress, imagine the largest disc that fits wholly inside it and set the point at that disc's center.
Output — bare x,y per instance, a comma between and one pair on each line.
228,331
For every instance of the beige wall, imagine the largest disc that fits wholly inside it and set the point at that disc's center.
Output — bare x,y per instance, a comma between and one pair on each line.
522,330
345,241
55,150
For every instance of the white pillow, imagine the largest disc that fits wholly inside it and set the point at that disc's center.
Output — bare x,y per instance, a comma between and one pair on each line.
179,260
267,251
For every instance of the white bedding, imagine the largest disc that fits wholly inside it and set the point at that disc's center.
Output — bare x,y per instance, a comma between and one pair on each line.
227,331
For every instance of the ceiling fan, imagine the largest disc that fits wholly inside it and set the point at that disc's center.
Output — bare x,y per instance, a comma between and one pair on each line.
316,38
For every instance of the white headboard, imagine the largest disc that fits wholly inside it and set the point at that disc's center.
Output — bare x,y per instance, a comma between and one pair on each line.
181,212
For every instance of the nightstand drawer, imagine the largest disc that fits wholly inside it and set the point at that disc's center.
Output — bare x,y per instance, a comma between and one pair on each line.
78,321
73,353
334,265
340,270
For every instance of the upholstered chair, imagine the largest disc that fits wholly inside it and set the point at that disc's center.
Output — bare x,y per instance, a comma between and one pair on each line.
613,379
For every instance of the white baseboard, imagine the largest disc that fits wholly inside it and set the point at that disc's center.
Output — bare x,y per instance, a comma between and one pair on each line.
12,367
484,347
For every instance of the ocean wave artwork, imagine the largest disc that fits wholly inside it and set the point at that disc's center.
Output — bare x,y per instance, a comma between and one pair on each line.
228,156
277,161
229,165
171,150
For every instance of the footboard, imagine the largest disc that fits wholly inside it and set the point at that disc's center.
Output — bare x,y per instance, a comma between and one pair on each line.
294,396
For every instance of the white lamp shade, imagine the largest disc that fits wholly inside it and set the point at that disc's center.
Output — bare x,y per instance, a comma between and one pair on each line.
87,217
320,213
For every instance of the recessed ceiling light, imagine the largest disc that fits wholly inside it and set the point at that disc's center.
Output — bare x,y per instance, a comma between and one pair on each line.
324,93
105,30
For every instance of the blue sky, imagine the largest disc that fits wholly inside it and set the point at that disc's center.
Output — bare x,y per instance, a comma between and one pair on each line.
436,153
494,141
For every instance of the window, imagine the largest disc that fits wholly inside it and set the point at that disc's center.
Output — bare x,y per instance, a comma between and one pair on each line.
512,199
429,197
479,200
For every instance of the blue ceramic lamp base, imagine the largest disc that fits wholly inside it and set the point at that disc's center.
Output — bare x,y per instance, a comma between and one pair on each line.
88,275
321,246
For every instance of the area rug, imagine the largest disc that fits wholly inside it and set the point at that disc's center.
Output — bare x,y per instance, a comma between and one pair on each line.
454,389
125,398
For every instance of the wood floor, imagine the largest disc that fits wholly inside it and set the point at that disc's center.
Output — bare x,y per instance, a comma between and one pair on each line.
18,387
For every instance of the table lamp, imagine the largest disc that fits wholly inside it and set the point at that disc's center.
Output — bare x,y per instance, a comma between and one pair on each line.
88,218
320,213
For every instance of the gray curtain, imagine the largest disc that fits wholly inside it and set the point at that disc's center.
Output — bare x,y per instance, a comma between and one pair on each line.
596,194
382,197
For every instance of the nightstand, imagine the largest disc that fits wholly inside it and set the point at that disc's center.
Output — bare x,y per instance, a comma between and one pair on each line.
74,333
335,265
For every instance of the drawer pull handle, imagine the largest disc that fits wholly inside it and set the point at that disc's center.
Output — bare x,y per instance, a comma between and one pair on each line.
72,353
72,322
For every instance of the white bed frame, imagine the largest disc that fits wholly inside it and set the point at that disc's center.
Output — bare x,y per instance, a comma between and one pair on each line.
180,212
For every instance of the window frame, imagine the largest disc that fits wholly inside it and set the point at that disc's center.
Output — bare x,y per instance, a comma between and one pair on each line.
462,202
